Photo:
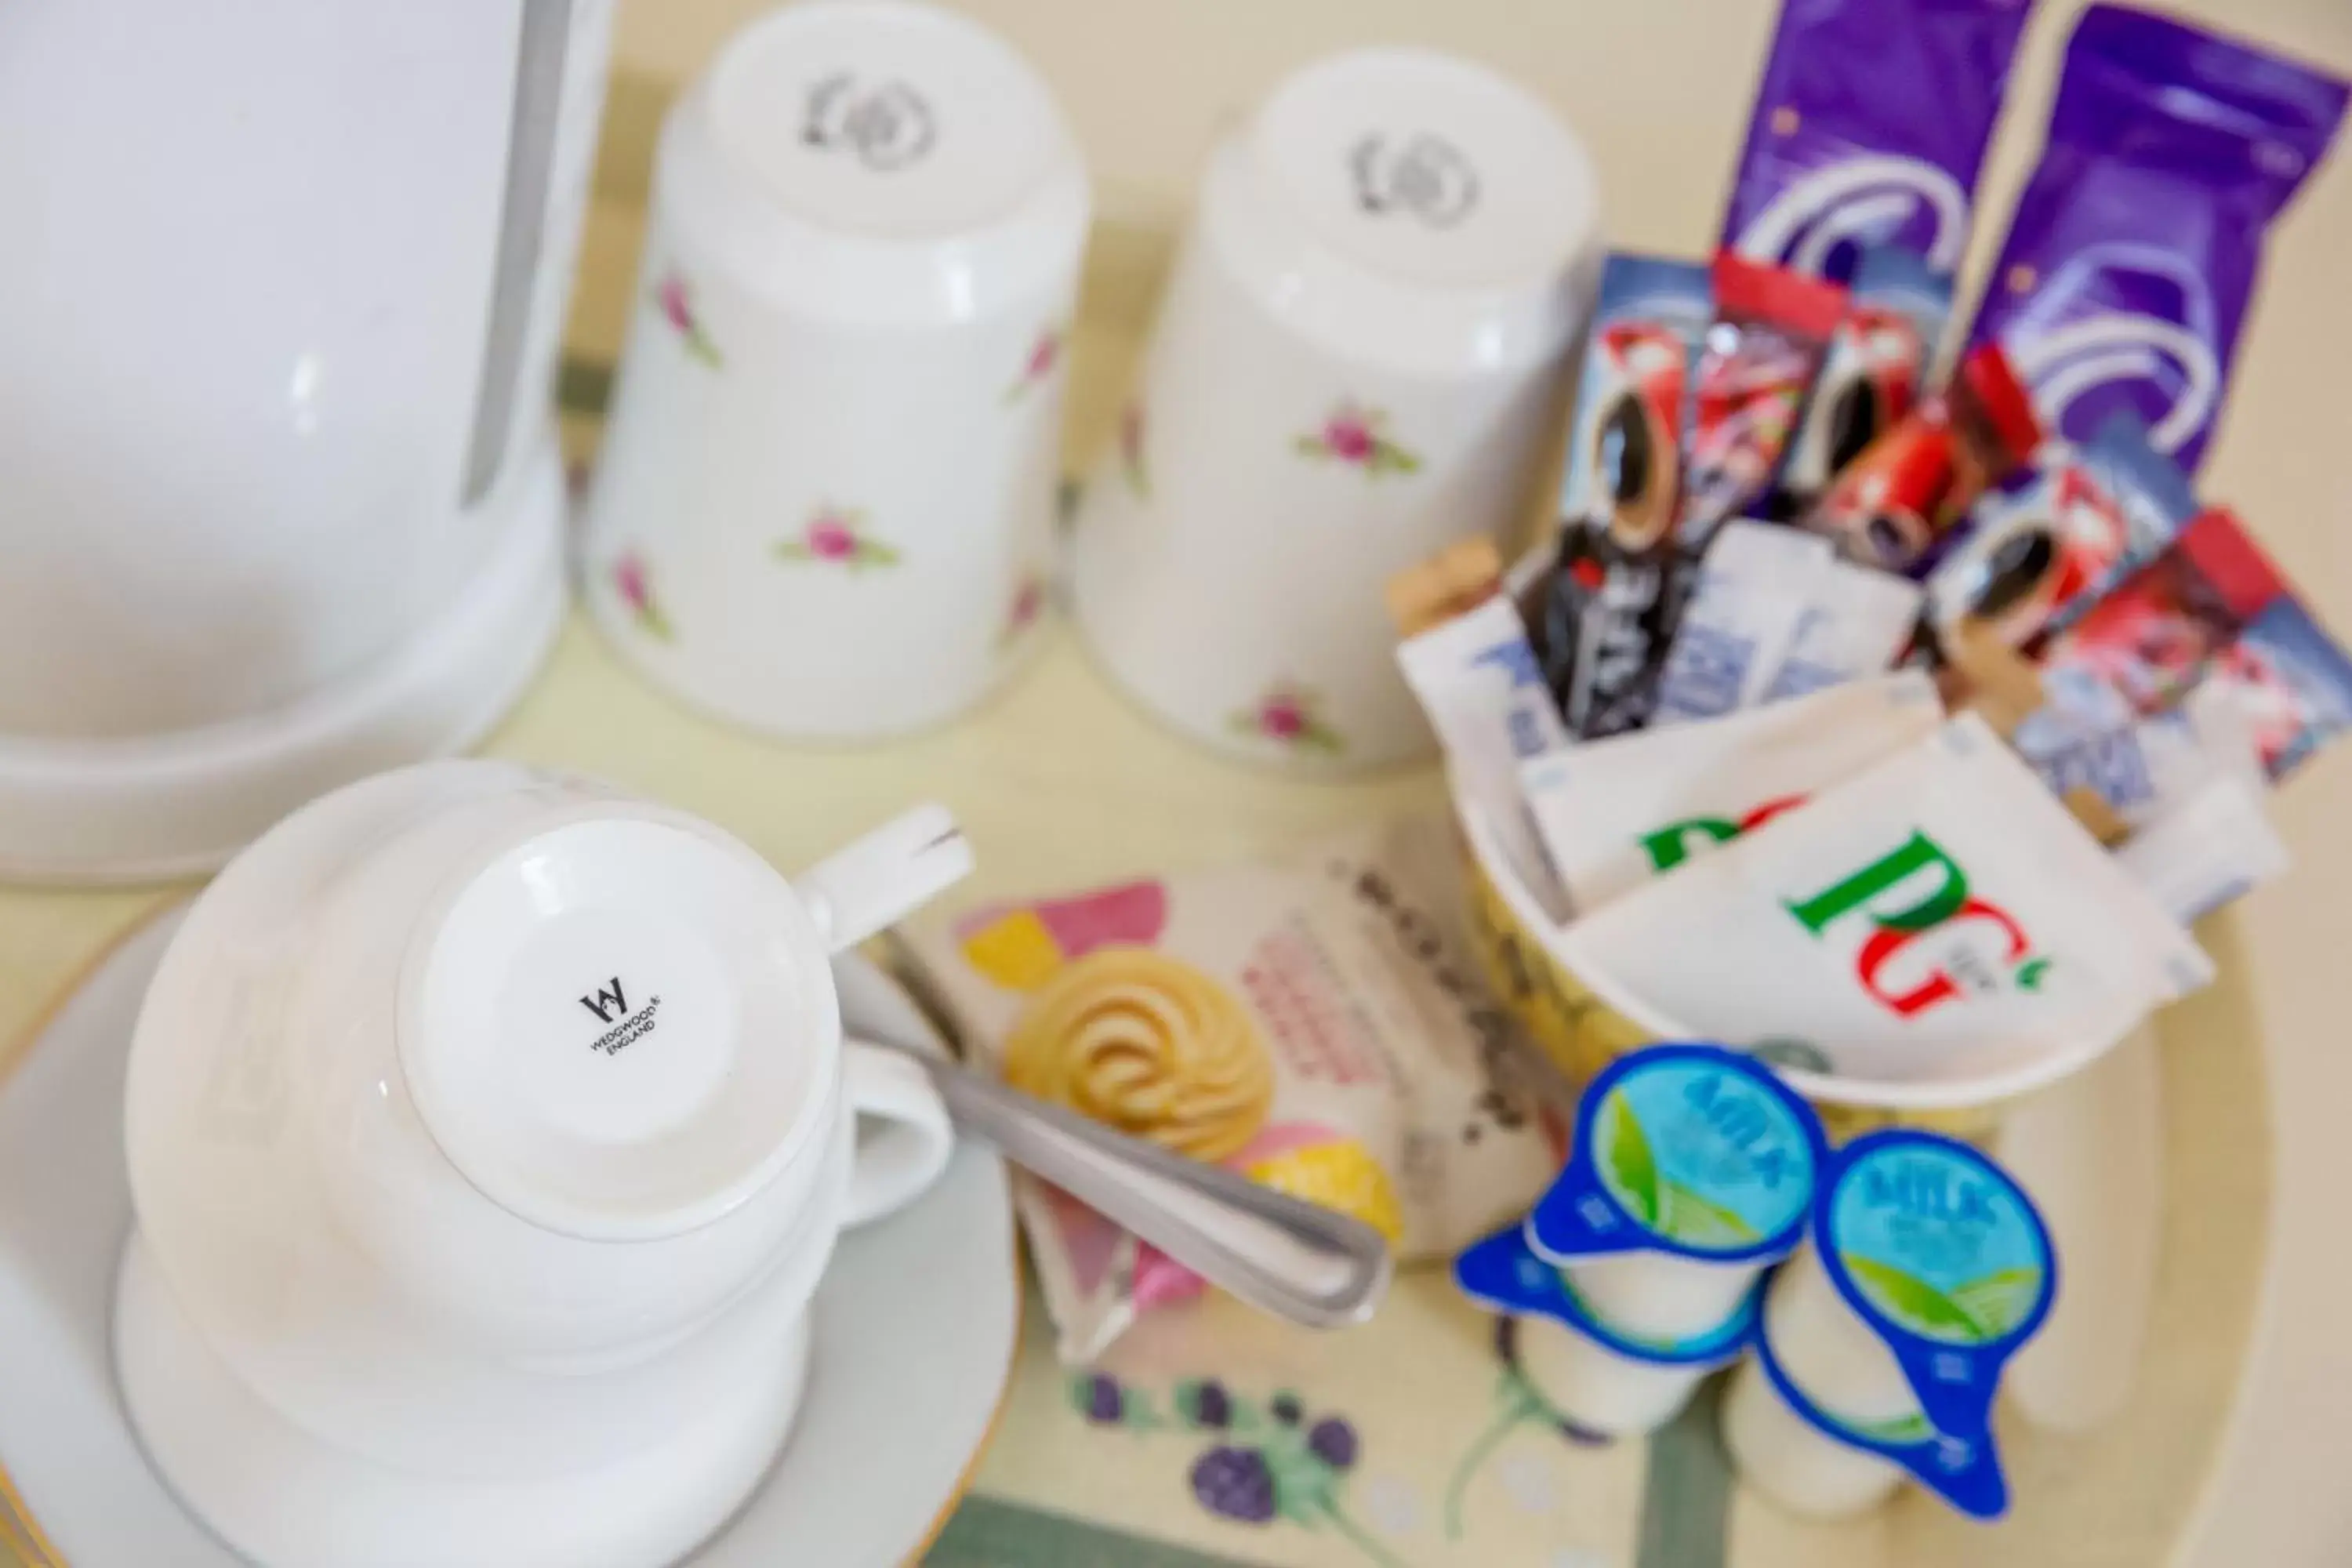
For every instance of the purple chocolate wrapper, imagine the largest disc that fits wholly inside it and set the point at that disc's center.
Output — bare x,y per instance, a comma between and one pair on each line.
2133,251
1870,125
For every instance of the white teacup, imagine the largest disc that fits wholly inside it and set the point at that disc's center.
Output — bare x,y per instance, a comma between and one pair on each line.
489,1134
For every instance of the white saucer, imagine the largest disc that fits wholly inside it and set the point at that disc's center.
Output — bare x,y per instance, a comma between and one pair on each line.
915,1329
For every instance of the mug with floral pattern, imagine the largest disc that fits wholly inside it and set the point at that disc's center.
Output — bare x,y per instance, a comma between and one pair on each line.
825,502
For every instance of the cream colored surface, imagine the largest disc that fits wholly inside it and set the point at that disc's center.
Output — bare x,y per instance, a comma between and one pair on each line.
1060,786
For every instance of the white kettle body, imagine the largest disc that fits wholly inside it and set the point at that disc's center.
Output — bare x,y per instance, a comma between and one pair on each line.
280,498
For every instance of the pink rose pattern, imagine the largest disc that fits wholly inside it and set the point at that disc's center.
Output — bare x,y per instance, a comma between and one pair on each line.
1130,451
1289,715
633,583
1028,603
675,298
1044,355
1357,436
836,536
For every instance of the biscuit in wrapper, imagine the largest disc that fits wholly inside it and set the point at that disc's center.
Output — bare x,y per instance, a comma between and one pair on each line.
1317,1025
1148,1044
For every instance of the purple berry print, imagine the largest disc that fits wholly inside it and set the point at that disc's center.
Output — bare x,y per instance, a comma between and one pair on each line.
1237,1483
1209,1406
1265,1463
1104,1399
1333,1441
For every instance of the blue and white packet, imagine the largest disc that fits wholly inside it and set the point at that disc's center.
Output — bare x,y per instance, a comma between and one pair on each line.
1687,1150
1938,1251
2145,768
1753,587
1856,624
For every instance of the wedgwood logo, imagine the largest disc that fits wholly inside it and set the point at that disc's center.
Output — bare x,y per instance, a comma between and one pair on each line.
608,1001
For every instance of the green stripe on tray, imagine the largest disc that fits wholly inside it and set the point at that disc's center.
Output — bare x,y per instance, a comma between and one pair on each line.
988,1532
1686,1496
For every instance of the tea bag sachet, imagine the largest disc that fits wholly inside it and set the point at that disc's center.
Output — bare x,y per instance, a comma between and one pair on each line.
1615,812
1941,907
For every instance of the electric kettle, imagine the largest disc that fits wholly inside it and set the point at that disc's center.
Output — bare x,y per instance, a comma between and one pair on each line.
280,502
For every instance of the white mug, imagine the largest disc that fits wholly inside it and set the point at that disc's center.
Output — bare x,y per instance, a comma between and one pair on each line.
824,505
487,1134
1354,365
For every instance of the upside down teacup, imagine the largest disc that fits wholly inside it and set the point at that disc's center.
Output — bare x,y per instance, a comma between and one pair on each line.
489,1134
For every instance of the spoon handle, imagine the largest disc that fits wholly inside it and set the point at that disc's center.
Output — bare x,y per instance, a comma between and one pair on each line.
1284,1255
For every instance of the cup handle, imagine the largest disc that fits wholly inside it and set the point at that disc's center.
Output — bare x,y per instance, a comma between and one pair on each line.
901,1126
864,885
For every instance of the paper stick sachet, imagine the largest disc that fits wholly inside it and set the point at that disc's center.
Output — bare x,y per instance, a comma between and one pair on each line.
1857,621
1776,614
1467,660
1615,812
2207,851
1754,586
1940,905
